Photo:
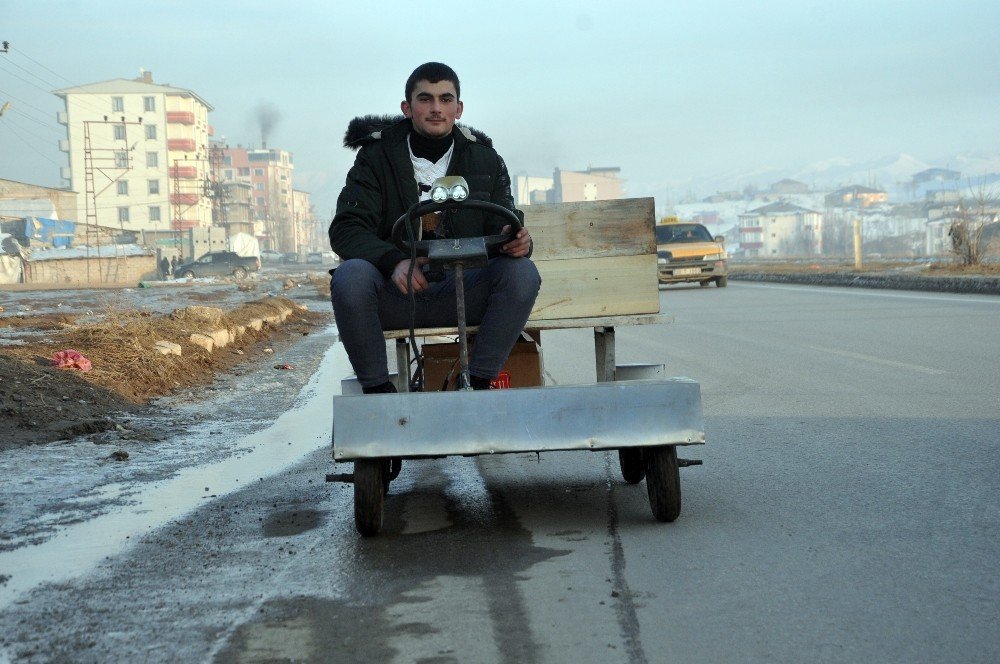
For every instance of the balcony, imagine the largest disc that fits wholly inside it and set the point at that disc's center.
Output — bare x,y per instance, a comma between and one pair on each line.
211,130
182,144
751,229
187,172
184,199
183,224
62,118
180,117
64,145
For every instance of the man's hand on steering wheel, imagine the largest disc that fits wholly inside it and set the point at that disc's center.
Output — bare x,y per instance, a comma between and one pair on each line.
401,271
519,246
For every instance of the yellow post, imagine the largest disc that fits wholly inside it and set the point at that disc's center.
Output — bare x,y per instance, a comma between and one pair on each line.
857,244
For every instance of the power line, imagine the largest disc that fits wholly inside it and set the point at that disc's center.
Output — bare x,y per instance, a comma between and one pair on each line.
30,147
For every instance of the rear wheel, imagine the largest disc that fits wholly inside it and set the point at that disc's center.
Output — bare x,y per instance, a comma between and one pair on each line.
632,463
240,272
663,482
187,274
369,495
721,282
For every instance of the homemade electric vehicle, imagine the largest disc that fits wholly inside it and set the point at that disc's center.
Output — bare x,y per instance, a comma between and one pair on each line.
633,409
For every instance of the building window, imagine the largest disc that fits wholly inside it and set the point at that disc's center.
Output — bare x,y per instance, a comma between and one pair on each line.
151,132
227,160
259,186
149,104
228,174
244,172
152,159
121,159
154,187
260,200
123,187
119,132
258,171
118,104
122,214
154,213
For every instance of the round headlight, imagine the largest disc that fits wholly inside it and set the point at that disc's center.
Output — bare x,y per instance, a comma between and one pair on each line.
439,194
459,193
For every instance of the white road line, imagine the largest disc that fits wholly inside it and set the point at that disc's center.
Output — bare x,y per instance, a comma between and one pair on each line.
879,360
840,290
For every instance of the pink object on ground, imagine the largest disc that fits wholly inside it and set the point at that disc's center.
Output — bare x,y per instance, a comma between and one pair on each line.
70,359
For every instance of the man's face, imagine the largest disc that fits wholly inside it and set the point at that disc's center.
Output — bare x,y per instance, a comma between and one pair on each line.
433,107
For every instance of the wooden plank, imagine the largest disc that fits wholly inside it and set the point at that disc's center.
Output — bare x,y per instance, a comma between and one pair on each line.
622,227
544,324
604,286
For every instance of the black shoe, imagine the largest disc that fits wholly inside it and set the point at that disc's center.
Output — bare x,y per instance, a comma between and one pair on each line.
479,383
385,388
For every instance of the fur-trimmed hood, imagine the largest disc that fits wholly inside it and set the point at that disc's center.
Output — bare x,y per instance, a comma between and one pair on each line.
367,128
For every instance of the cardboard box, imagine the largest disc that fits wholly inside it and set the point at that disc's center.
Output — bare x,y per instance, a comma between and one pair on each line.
523,367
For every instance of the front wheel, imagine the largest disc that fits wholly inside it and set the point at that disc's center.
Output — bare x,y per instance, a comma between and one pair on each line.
632,463
240,272
187,274
721,282
369,495
663,482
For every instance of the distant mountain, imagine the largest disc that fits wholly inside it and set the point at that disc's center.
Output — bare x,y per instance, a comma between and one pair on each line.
890,172
884,172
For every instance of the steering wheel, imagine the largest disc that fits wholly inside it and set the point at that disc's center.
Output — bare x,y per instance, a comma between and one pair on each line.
401,238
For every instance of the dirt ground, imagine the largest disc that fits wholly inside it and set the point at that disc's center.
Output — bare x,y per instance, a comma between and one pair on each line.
40,403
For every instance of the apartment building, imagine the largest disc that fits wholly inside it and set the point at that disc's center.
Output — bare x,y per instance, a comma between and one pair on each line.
593,184
269,174
138,154
781,229
309,236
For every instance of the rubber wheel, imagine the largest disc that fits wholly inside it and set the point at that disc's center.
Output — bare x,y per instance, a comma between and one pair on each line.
369,495
187,274
721,282
240,273
704,283
663,482
633,464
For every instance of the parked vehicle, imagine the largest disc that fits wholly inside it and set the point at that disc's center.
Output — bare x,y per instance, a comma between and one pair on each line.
219,264
688,252
271,256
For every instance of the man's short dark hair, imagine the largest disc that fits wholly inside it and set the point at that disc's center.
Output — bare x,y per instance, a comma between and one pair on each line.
432,72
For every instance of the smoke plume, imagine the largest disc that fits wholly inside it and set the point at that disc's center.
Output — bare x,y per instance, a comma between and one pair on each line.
267,118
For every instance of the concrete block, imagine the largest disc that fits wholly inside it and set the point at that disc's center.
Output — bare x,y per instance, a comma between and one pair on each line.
221,338
167,347
257,324
204,341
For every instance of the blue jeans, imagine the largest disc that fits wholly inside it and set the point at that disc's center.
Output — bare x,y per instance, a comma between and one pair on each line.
498,298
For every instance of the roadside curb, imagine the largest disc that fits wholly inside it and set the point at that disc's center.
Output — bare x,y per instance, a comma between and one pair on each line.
968,285
222,337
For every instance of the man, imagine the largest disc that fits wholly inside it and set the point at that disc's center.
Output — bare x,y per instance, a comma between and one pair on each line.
398,160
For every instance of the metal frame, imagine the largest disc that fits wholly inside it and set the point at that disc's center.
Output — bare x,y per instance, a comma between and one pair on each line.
612,414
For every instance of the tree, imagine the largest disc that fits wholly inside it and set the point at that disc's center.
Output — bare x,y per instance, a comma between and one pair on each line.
972,215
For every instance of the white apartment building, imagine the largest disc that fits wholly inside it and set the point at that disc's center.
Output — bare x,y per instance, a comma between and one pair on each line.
138,154
781,229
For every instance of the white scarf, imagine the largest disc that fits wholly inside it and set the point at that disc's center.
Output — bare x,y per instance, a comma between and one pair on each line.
426,171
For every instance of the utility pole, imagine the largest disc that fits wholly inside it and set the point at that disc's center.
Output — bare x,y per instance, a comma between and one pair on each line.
120,163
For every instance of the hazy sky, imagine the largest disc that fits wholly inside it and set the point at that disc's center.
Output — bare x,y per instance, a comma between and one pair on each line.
670,92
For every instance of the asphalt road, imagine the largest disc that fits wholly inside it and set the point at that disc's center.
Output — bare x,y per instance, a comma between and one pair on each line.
848,510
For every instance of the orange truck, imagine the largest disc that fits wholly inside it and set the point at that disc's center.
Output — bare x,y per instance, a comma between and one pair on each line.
686,251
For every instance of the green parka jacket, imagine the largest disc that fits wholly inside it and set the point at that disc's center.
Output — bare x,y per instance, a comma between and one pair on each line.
381,187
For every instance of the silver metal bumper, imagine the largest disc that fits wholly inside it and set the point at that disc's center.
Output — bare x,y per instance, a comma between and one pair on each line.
606,415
